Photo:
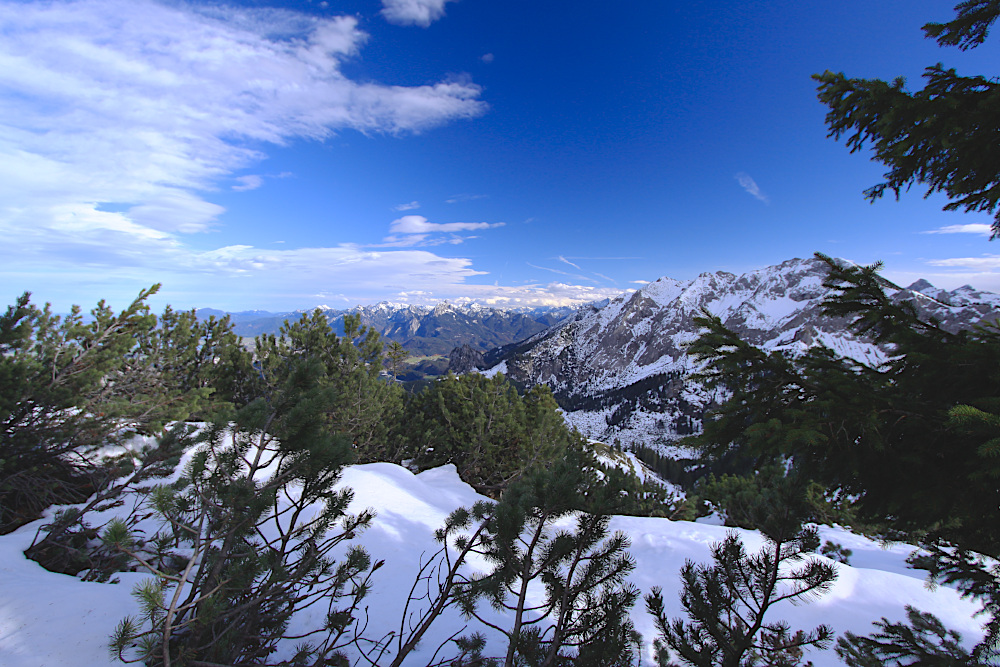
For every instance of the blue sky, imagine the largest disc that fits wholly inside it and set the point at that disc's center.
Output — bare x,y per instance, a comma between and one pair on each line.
286,155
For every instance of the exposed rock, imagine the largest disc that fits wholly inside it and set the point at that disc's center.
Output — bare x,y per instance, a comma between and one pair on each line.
464,359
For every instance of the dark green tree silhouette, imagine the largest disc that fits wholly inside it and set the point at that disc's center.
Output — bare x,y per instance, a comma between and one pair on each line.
942,137
583,618
362,405
912,440
257,517
70,384
727,602
486,428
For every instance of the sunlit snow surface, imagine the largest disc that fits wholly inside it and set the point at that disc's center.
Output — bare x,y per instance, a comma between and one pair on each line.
53,619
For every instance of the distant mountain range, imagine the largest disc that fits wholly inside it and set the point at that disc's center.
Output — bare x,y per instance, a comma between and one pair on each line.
421,330
621,372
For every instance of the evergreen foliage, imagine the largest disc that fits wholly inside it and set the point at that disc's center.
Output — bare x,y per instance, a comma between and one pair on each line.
727,602
490,432
886,434
437,587
739,497
394,358
361,404
254,522
912,441
583,617
69,385
923,640
943,136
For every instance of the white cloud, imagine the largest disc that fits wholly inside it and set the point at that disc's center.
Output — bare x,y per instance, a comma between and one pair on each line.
487,58
116,117
413,12
418,224
251,182
270,278
407,207
561,273
455,199
751,187
986,262
566,261
981,229
141,107
639,282
505,296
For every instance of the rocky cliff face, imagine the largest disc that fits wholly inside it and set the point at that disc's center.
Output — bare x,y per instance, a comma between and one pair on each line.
621,371
464,359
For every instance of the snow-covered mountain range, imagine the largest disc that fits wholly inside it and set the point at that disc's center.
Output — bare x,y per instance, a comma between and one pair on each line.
420,329
621,371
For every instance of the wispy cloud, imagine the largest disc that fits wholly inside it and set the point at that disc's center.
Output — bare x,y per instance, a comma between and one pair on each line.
562,273
751,187
454,199
981,229
418,224
531,294
413,12
416,230
149,104
566,261
986,262
116,117
407,207
488,58
251,182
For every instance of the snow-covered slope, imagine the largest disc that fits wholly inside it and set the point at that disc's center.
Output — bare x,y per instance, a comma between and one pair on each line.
51,620
620,371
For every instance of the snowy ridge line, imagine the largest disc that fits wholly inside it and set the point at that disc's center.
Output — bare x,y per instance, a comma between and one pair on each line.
641,335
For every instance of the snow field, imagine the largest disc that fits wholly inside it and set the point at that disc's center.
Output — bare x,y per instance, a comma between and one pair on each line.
49,619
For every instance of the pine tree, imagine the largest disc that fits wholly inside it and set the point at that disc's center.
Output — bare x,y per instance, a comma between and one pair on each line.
363,406
941,137
727,602
486,429
68,385
395,357
911,440
583,618
258,516
922,640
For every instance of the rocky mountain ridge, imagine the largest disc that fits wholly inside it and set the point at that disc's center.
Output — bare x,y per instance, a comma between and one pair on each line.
421,330
621,371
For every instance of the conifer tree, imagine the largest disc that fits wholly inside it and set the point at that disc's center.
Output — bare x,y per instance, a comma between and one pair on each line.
490,432
727,602
922,640
583,617
68,384
257,516
395,357
362,405
941,137
911,440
